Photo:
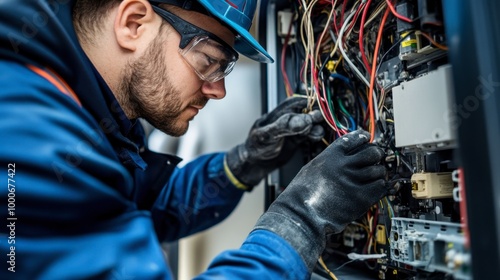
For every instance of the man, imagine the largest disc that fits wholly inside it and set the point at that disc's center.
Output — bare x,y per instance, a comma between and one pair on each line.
86,199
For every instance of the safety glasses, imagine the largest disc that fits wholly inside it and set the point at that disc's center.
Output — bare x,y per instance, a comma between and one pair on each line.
210,57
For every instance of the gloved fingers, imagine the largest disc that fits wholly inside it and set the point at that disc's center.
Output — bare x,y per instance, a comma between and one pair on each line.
370,173
290,105
351,141
317,117
366,154
317,133
263,137
377,190
289,125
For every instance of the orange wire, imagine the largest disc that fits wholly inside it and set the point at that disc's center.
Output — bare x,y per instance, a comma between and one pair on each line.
371,107
438,45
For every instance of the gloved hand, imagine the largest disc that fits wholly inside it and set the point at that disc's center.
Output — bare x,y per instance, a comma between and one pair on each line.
272,141
335,188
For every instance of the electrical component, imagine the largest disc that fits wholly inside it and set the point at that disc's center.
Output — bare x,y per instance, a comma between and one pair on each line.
351,235
432,185
286,27
407,10
451,256
381,236
430,14
430,246
423,111
409,47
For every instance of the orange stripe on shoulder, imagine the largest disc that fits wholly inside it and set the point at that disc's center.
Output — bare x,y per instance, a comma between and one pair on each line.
57,81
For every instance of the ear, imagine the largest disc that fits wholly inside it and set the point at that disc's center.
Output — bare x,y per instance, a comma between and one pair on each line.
134,20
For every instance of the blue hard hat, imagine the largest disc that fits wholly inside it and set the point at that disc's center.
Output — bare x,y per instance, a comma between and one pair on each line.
236,14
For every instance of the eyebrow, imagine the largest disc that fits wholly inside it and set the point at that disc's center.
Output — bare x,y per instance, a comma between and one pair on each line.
223,50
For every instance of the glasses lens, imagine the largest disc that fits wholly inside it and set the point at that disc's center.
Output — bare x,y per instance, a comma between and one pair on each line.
211,60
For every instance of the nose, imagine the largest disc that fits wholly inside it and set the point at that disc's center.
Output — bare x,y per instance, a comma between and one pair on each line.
215,90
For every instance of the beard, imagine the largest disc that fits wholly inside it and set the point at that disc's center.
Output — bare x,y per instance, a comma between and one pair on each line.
147,91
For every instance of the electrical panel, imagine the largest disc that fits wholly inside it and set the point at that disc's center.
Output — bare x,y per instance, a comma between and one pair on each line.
383,66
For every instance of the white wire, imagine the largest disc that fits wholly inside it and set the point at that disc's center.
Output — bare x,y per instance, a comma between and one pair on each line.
355,256
346,58
308,43
353,67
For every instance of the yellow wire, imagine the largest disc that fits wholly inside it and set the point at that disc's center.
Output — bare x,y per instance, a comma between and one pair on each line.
325,142
361,225
322,263
377,11
327,25
337,64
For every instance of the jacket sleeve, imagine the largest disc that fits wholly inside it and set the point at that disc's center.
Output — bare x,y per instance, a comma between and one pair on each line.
70,212
263,255
197,196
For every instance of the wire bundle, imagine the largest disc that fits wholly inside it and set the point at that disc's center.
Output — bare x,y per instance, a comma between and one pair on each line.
341,40
343,45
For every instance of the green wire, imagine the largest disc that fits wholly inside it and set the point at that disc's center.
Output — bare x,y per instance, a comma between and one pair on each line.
343,109
328,96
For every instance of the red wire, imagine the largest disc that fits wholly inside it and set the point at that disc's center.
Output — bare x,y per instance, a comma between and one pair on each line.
361,36
324,107
335,21
351,25
325,2
393,10
327,110
302,71
342,13
371,106
322,101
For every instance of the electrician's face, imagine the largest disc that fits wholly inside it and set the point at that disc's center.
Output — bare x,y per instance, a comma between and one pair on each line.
163,88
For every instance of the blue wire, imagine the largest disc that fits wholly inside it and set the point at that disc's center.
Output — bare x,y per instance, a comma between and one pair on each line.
342,78
353,123
362,103
348,83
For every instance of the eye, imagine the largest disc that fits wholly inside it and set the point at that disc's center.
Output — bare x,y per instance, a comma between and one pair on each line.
203,62
210,60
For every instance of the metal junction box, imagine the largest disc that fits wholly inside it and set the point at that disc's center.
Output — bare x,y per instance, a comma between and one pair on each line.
423,114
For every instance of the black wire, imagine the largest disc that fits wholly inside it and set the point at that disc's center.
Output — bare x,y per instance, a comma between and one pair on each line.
357,106
300,56
398,42
323,64
406,163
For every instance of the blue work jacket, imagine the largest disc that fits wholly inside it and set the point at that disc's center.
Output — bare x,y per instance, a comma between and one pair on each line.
82,197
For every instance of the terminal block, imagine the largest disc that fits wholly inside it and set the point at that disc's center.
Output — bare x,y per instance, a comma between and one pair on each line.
432,185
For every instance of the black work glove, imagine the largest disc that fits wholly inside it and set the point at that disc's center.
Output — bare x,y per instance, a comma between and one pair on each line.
272,141
335,188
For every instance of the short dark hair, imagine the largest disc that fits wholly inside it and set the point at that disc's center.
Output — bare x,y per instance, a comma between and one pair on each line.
88,16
